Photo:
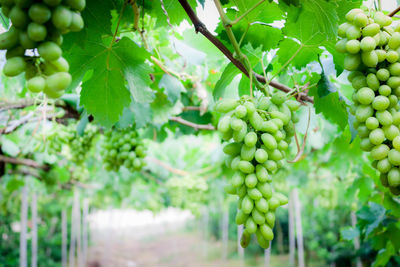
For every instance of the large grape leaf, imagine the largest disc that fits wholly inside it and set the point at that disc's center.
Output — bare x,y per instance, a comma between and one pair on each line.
114,71
344,6
172,86
176,14
230,72
328,102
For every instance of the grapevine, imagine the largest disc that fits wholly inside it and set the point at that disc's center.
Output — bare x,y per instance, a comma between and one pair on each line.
261,132
34,39
372,50
123,147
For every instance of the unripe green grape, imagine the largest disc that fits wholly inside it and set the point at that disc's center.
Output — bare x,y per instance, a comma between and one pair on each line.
373,82
377,136
261,155
350,16
342,29
359,82
77,23
393,101
394,177
393,82
394,69
363,131
361,20
236,124
380,102
273,203
61,64
245,239
380,152
392,56
246,167
240,111
353,32
384,117
370,59
363,112
224,124
39,13
352,46
391,132
381,55
36,84
385,90
247,205
383,74
382,19
14,66
354,74
251,180
232,149
247,153
78,5
396,143
36,32
367,44
59,81
371,29
384,166
255,195
384,38
352,62
238,136
49,51
372,123
61,17
18,17
366,145
241,217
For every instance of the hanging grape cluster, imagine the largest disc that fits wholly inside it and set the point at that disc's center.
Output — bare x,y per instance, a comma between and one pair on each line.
66,141
372,50
261,132
34,39
123,147
187,192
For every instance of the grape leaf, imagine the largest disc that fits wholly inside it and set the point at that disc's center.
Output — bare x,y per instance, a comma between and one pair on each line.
349,233
265,12
229,73
173,10
344,6
305,54
328,102
172,86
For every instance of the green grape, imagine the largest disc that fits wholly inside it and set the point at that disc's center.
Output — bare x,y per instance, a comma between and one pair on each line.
78,5
9,39
61,17
365,96
367,44
36,32
370,59
58,81
18,17
49,51
36,84
226,105
77,23
352,62
14,66
39,13
371,30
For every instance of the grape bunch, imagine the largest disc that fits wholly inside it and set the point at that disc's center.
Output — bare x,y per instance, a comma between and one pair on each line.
372,50
34,39
187,192
261,131
123,147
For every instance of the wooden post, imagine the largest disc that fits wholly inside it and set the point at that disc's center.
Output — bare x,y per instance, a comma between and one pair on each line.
85,230
299,229
23,261
240,249
78,233
357,239
64,236
267,256
205,231
225,232
34,230
292,239
73,235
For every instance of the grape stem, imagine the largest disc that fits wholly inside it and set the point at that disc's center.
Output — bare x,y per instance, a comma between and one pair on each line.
391,14
200,27
168,167
193,125
300,151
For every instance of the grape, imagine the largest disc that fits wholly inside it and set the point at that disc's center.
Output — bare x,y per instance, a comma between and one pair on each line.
265,136
376,81
40,25
123,147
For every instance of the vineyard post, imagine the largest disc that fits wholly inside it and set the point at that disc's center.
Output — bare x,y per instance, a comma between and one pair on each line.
267,256
357,239
240,249
205,231
78,233
73,230
225,231
292,239
85,236
34,233
23,261
299,230
64,236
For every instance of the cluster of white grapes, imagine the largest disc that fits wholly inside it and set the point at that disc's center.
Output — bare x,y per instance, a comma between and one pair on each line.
34,39
123,147
372,50
261,131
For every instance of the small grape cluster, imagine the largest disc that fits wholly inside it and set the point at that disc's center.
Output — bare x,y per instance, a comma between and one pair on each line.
34,39
123,147
261,131
187,192
80,145
372,50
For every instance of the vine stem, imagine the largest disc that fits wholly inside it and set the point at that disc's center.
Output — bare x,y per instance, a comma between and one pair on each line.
201,28
246,13
193,125
26,162
391,14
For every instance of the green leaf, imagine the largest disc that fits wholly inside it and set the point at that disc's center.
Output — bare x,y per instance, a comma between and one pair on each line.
344,6
349,233
313,23
174,10
14,184
172,86
9,147
328,102
384,255
229,73
4,21
302,54
244,85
